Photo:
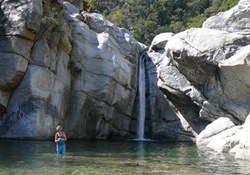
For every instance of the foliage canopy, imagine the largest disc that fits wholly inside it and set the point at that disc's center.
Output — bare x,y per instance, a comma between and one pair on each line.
147,18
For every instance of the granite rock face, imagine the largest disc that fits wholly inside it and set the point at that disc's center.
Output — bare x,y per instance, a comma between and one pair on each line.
62,67
19,25
163,121
103,95
206,79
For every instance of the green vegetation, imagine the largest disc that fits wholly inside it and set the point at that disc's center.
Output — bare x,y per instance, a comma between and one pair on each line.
147,18
92,5
74,70
52,21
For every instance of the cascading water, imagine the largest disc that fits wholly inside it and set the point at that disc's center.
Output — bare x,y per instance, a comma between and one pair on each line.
142,101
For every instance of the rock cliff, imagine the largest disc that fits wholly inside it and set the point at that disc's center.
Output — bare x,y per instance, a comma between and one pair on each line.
60,66
205,77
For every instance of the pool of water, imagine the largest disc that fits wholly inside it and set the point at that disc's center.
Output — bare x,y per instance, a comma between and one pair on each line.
114,158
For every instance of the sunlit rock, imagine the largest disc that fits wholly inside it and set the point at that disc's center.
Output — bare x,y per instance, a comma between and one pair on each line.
80,71
234,20
103,94
160,41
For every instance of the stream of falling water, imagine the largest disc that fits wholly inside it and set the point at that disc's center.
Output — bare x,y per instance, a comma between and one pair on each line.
142,101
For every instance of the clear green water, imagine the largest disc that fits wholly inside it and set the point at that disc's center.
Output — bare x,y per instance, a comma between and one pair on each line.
114,158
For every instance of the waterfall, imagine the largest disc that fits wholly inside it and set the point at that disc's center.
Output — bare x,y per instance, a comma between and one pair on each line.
142,101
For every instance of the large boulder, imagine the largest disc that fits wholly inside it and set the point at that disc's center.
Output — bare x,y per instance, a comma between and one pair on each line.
217,127
223,136
198,56
242,142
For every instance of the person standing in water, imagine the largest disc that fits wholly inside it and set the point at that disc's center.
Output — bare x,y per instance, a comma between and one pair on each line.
60,138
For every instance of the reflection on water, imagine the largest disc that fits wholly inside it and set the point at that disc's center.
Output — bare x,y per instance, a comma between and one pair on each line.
220,163
114,158
140,157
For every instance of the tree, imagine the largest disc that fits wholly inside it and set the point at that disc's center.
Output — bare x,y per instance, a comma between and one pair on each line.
147,18
92,5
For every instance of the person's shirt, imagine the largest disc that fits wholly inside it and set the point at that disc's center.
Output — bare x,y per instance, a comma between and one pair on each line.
62,137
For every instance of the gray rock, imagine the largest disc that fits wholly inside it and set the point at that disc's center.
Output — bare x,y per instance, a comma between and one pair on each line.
234,20
242,142
89,88
242,154
205,77
23,18
218,135
20,21
222,142
103,94
41,100
41,53
85,77
197,53
234,73
162,122
160,41
70,7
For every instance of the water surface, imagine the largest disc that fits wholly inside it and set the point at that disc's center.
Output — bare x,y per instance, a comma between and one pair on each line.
114,158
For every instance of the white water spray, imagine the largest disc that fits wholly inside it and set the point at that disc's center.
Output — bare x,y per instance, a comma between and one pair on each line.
142,101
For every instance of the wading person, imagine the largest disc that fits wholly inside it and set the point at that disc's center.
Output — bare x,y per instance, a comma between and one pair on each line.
60,138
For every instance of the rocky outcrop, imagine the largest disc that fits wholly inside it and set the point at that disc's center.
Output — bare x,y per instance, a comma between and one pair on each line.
62,67
223,137
206,79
